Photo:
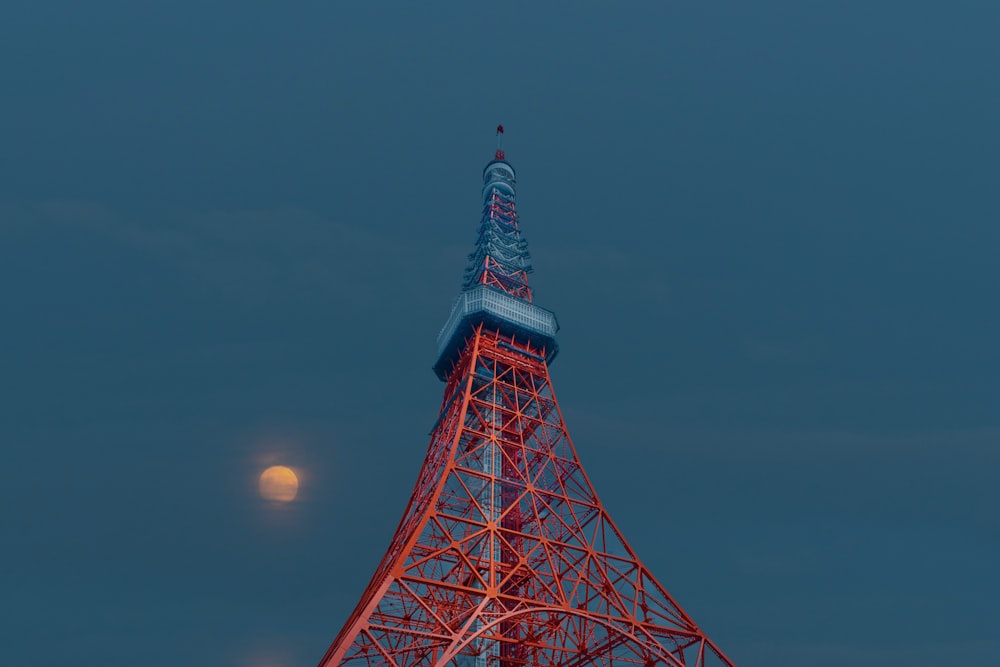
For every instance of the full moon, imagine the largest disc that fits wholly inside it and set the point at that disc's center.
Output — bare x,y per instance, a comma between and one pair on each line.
279,484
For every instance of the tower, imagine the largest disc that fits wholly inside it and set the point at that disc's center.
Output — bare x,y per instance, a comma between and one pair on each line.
505,556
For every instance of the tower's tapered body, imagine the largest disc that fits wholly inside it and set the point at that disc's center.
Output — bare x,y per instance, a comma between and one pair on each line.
505,556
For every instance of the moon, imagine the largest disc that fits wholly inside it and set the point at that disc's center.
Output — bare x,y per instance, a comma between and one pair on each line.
279,484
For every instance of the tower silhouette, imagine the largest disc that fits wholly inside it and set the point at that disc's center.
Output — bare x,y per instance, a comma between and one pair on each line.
505,556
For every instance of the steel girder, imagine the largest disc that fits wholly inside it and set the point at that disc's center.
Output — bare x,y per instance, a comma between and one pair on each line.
505,555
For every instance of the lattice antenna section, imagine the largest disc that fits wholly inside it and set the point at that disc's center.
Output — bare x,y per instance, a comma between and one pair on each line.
500,259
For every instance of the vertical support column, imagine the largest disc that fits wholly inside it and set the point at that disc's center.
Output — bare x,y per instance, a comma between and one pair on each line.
489,649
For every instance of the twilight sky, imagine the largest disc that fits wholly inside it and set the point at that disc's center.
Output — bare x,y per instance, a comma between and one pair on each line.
229,234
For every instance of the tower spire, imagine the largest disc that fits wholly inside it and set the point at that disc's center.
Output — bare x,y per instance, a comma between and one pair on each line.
495,289
501,257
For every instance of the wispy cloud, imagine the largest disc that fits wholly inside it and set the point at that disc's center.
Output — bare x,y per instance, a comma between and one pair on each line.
249,254
876,654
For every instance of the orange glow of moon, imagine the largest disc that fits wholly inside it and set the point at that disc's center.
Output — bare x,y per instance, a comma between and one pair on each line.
279,484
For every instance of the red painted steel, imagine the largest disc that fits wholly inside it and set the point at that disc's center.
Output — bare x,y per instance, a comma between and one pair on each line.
505,556
499,154
501,211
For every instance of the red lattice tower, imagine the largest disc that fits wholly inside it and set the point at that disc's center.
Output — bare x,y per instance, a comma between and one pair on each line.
505,556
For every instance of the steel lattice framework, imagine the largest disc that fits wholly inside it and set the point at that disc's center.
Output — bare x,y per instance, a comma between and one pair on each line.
505,556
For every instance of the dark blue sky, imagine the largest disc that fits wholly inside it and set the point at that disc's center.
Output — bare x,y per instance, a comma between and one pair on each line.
229,233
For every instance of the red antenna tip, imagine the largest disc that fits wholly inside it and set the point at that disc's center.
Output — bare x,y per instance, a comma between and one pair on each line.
499,153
